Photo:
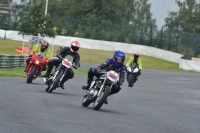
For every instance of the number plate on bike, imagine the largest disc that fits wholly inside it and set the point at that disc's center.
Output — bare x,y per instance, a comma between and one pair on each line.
66,63
113,76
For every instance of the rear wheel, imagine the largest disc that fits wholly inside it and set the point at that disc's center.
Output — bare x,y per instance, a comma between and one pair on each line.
31,75
55,82
101,98
131,80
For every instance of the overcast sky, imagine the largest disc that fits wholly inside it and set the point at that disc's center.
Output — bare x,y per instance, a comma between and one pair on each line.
159,9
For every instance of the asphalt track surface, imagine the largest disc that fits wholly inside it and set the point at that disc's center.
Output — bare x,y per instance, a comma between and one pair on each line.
160,102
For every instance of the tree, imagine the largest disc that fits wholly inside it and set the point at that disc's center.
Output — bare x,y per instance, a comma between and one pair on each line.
103,20
184,19
124,21
142,18
35,22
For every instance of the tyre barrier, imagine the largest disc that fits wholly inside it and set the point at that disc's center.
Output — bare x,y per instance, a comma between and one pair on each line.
10,61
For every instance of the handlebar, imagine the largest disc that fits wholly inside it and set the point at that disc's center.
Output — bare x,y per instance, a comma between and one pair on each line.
102,71
64,58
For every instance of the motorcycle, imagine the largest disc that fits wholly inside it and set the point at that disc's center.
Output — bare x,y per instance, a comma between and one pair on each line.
59,73
35,66
132,73
100,89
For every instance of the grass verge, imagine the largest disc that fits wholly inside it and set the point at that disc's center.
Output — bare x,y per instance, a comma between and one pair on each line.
19,72
90,56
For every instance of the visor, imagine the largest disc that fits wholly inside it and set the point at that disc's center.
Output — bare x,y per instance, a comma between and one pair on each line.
75,48
118,59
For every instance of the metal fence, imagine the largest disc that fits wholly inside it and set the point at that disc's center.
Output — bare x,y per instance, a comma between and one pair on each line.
174,40
179,41
164,38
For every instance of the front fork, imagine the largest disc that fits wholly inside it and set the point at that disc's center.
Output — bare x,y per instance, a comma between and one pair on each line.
31,67
64,74
102,87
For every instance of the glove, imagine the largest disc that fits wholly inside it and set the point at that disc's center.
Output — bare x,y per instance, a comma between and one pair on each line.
99,71
75,67
58,55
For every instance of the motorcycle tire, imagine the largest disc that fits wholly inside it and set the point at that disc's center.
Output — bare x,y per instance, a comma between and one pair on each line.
85,101
55,82
47,89
97,104
31,75
131,80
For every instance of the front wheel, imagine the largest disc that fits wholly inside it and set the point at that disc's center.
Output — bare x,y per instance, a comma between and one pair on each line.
31,75
86,101
55,82
131,80
101,98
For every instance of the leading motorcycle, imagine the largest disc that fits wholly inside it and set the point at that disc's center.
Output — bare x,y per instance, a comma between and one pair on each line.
100,89
35,66
55,78
132,73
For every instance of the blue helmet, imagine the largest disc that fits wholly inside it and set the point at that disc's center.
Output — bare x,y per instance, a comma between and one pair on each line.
118,58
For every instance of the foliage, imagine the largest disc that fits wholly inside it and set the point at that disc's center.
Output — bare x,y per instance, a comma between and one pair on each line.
103,20
35,22
186,18
128,21
4,21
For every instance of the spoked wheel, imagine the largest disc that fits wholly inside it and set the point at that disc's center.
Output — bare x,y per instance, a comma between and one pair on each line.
86,101
101,98
47,89
55,83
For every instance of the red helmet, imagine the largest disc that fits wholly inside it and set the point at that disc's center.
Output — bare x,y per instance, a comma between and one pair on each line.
74,47
136,54
44,45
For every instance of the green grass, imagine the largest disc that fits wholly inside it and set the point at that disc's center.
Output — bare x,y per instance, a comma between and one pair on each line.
19,72
90,56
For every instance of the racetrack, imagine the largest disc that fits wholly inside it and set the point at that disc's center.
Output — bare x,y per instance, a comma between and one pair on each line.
160,102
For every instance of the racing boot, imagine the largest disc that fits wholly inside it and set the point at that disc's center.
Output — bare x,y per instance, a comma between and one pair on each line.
61,85
106,101
89,80
86,87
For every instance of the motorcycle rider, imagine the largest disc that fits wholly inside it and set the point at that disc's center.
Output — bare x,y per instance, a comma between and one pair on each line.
116,64
40,48
58,51
137,60
72,50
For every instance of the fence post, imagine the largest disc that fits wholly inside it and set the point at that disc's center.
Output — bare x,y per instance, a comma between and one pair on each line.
188,44
177,37
94,30
161,34
169,39
196,46
121,30
151,32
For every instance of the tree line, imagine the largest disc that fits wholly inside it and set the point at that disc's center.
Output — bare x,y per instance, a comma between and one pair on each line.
128,21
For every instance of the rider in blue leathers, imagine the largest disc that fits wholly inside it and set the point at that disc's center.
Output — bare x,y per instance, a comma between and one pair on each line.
116,64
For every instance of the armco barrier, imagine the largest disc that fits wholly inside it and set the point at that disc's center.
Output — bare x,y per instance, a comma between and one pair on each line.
10,61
